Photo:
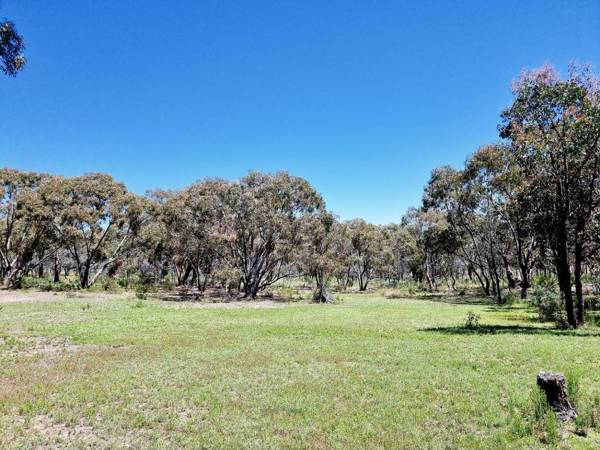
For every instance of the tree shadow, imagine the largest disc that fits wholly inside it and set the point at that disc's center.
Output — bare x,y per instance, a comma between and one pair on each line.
455,299
510,329
218,296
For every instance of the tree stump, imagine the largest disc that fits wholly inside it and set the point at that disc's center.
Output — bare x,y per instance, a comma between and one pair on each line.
554,386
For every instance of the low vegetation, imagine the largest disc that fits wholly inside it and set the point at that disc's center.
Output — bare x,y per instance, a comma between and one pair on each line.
366,372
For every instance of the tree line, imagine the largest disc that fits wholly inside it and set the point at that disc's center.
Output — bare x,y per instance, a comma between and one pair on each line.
526,204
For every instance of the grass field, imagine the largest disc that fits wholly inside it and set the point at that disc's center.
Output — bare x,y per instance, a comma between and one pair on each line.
368,372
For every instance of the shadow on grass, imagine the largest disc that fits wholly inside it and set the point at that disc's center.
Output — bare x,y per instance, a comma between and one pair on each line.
216,296
455,299
510,329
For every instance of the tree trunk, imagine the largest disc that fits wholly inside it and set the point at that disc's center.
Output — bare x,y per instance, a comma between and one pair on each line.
578,285
84,276
524,283
56,269
321,295
563,272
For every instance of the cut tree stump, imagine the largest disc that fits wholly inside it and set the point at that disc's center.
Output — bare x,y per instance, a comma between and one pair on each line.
554,386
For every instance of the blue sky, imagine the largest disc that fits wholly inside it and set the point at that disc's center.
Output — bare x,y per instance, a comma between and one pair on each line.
362,98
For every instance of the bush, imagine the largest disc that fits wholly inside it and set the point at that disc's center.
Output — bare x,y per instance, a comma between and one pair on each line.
592,303
547,281
45,285
472,321
550,306
141,292
510,298
144,284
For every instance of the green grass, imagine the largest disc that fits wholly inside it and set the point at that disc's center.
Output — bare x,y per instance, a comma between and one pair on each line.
368,372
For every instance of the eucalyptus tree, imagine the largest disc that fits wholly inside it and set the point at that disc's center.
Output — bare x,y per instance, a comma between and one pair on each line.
369,252
263,226
448,191
194,218
95,218
12,46
153,242
505,187
554,127
433,245
344,257
25,238
402,246
318,254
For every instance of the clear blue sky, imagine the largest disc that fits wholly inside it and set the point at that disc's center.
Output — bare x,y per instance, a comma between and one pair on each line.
362,98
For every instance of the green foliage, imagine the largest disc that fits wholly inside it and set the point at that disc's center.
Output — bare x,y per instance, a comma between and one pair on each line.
546,281
518,426
535,418
145,283
573,387
592,303
46,285
472,321
551,428
286,367
286,292
537,405
549,305
510,298
12,46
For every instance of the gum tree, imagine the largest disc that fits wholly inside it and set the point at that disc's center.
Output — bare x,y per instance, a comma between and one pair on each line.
263,226
95,218
554,126
12,46
25,238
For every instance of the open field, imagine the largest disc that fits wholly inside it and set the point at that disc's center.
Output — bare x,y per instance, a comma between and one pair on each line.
368,372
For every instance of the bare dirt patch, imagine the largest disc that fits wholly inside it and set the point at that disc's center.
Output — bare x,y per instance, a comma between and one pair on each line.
45,431
37,345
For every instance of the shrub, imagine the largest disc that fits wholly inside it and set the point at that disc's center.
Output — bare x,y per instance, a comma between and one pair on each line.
547,281
472,321
592,303
109,284
510,298
141,293
550,306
